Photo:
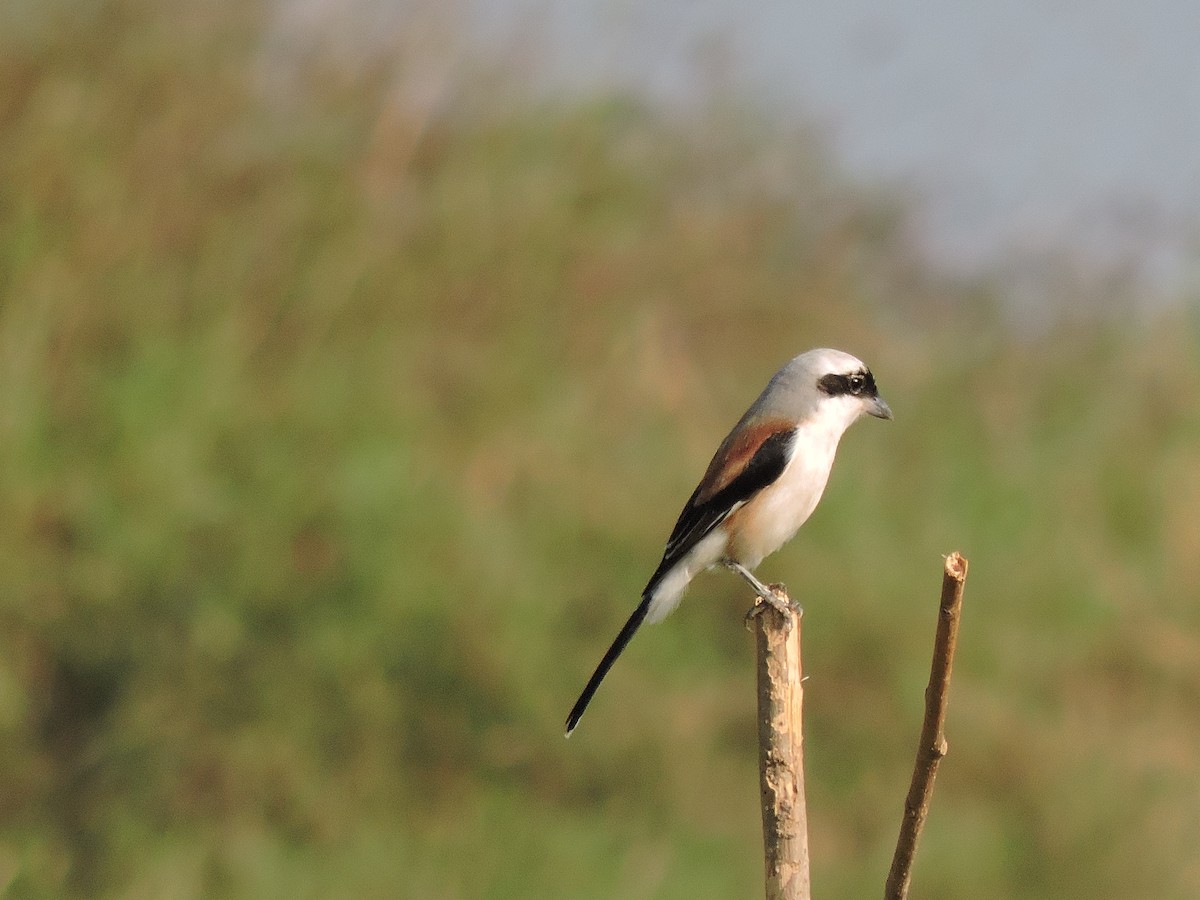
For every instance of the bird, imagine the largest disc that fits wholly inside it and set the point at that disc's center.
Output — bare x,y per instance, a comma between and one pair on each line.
762,484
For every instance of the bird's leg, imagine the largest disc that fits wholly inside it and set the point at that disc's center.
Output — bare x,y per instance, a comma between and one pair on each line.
766,593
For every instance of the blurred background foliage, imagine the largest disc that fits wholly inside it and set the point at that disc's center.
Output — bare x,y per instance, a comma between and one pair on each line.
341,426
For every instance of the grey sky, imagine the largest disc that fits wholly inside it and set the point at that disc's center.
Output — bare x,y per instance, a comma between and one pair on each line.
1021,127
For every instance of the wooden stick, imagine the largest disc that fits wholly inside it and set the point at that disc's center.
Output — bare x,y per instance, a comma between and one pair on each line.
781,753
932,746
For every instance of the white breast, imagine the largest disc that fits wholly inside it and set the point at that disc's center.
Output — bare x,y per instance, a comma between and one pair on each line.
773,516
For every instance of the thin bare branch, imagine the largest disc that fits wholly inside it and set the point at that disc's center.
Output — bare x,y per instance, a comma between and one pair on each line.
932,746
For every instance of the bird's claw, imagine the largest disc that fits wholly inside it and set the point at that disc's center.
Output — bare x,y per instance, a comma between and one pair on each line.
775,596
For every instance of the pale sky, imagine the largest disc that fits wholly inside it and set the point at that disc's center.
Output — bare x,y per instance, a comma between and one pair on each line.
1018,126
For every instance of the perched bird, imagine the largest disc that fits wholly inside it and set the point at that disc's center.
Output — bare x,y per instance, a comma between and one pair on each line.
762,484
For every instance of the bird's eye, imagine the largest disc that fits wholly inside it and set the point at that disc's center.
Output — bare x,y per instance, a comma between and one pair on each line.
856,383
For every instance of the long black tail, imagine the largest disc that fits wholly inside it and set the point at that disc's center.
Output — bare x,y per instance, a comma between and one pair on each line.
610,657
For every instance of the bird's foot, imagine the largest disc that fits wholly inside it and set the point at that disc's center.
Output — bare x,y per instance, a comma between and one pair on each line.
775,596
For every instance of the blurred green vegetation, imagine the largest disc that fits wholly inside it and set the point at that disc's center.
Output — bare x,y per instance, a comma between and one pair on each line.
339,433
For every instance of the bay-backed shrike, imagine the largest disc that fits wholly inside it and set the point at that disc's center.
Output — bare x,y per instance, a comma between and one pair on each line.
762,484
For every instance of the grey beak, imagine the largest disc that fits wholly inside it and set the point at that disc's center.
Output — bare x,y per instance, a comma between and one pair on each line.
878,408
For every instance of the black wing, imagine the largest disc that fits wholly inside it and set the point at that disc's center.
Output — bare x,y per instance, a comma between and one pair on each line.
698,519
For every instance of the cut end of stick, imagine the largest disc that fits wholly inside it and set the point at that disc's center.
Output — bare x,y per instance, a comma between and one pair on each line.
956,566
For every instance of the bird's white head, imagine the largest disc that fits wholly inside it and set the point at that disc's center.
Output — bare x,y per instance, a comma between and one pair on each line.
827,384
